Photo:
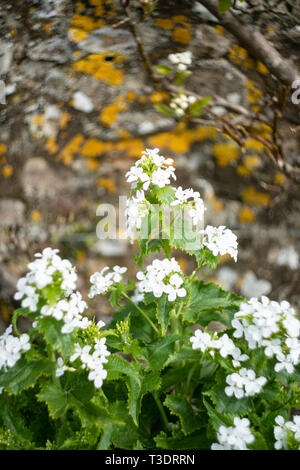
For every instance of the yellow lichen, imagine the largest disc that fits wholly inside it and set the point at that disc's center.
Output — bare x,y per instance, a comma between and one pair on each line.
254,144
71,148
164,23
280,178
130,95
35,216
246,215
64,119
110,113
86,23
158,97
77,35
181,35
261,68
255,198
7,171
100,68
225,153
219,29
2,149
94,148
107,183
51,145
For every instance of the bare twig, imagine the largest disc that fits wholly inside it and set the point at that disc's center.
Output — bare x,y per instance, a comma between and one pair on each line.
255,43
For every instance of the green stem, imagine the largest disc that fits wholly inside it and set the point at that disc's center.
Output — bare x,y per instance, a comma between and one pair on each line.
162,411
141,312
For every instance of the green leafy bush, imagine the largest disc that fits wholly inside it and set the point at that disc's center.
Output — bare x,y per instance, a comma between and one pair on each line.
158,376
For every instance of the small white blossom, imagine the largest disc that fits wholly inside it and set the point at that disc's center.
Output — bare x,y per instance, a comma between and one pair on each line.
61,368
162,276
11,348
235,437
93,360
281,431
220,241
182,60
244,383
102,282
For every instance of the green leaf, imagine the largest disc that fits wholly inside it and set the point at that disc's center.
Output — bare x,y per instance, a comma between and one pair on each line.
163,310
217,419
179,406
196,107
206,301
224,5
25,374
179,441
164,195
78,396
50,328
159,352
162,108
182,76
163,69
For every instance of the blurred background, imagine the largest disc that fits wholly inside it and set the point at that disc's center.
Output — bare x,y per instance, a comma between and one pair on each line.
80,108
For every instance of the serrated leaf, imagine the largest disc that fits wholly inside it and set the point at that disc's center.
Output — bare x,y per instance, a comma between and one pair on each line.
179,406
206,301
50,328
25,374
159,352
164,195
217,419
197,441
163,310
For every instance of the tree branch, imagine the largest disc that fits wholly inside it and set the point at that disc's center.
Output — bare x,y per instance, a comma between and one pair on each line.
255,43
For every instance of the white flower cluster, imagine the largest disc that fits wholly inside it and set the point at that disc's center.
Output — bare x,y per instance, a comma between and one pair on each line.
272,325
46,269
61,367
281,431
162,276
101,282
226,347
136,208
244,383
235,437
181,102
195,206
220,240
70,311
93,360
182,60
11,348
151,168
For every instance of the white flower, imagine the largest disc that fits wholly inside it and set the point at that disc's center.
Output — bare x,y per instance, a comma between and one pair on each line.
93,360
42,272
244,383
220,240
263,324
61,368
181,60
162,277
180,103
101,282
235,437
201,340
151,168
137,207
195,207
11,348
281,431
